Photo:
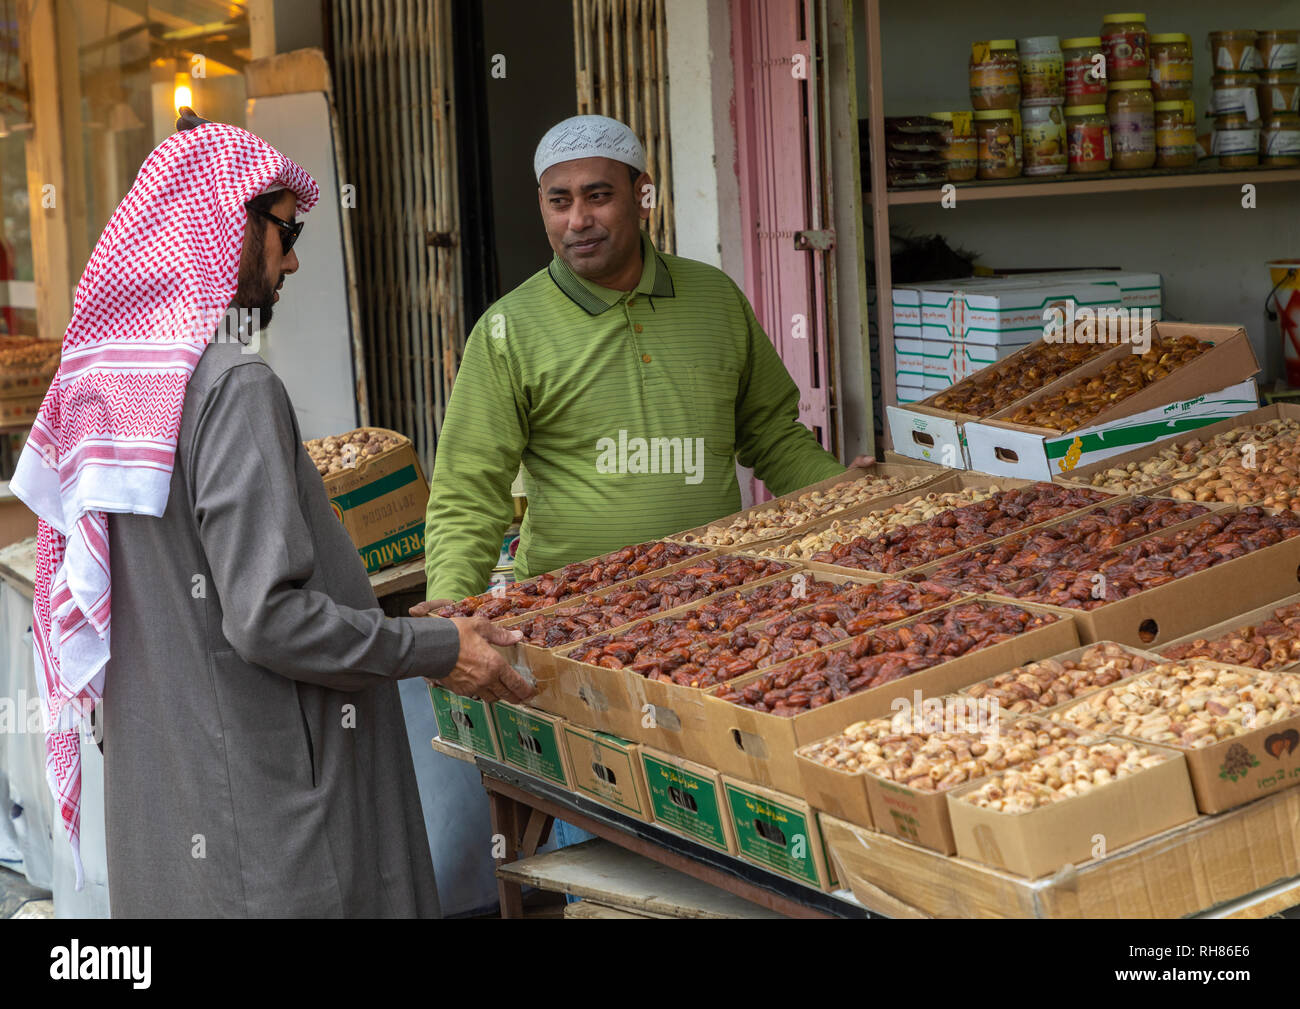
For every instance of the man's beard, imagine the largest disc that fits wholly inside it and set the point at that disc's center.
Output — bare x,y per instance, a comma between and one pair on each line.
255,293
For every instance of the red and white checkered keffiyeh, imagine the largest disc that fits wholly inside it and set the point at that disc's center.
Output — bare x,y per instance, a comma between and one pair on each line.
153,294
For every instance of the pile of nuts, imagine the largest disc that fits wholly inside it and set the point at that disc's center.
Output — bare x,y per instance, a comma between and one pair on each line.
1186,459
1188,705
1071,770
882,656
772,520
668,649
1064,546
959,528
877,523
26,361
1268,475
1270,645
1051,682
643,597
937,761
1076,405
340,452
1111,575
998,386
572,580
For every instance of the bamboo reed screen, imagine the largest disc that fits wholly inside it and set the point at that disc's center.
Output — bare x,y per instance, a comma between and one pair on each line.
393,71
621,54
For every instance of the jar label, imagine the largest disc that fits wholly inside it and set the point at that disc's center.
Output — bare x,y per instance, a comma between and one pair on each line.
1089,143
1229,142
1083,79
1133,134
1045,147
1228,100
1176,137
1282,56
1237,56
1041,76
1282,143
1126,54
1280,104
1166,70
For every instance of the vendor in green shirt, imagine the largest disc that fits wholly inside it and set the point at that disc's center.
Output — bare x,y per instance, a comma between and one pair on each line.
628,381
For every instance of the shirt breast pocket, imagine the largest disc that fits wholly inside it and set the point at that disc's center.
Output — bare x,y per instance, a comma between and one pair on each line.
713,407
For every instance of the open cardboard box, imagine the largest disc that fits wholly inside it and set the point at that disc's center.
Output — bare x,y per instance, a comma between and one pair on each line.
532,741
667,716
922,817
1216,385
687,798
962,481
1082,475
607,769
1235,770
759,747
1043,840
1224,628
876,470
1159,615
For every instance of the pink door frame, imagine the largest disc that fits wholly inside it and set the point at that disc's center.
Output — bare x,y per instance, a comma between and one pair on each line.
778,166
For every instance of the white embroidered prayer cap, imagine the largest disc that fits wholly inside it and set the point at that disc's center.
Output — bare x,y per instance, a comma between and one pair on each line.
588,137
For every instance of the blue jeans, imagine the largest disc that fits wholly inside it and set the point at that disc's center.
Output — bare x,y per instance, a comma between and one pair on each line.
567,834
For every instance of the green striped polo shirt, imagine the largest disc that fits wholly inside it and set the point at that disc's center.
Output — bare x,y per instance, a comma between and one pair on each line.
628,411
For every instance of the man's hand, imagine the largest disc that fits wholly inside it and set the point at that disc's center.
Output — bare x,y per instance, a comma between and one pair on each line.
480,671
429,607
861,462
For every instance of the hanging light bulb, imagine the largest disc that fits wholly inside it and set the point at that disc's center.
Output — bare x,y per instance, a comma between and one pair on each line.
182,95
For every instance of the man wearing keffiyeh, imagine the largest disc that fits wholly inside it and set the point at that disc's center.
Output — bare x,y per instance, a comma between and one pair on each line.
191,574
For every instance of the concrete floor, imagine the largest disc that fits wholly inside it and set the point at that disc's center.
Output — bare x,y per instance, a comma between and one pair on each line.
19,899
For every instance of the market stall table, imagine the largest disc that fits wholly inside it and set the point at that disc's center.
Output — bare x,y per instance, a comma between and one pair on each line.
523,808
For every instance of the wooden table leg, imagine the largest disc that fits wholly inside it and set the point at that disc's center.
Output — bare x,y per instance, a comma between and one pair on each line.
505,820
536,832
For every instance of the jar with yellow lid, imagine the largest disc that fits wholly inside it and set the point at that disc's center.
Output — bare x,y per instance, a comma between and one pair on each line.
1132,115
1235,50
1236,141
1085,70
1171,67
1087,132
1124,44
998,133
1279,91
994,75
1175,135
961,149
1278,50
1279,141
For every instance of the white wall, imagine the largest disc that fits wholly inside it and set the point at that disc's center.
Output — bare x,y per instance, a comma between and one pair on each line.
1210,250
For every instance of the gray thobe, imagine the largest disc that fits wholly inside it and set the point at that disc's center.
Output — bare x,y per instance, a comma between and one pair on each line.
255,755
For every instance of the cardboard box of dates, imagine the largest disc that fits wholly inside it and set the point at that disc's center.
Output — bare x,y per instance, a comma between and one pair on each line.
377,490
1239,728
1038,439
759,745
1037,840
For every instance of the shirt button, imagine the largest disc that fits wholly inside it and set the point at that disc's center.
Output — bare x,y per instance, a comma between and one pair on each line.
637,327
645,358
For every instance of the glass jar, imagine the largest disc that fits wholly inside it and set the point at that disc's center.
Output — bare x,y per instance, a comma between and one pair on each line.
1234,50
1043,135
1171,67
1085,71
1279,142
1132,114
1124,44
998,132
1278,50
961,150
994,75
1236,141
1175,135
1279,91
1088,133
1042,71
1235,91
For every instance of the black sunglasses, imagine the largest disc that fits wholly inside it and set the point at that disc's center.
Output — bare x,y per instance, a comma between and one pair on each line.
289,230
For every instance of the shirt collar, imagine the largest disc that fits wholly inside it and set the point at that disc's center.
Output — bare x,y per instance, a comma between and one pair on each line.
594,299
